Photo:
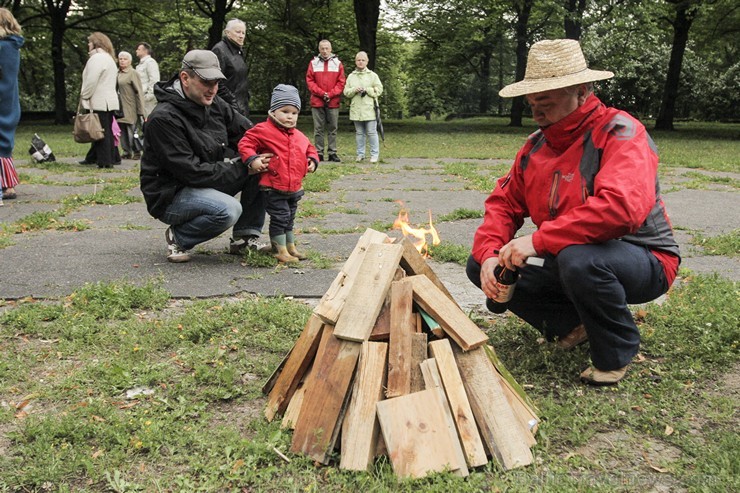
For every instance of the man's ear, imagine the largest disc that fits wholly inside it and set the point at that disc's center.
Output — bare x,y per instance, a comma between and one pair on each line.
582,93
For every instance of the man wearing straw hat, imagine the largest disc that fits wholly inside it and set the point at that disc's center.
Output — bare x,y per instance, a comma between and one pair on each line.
588,180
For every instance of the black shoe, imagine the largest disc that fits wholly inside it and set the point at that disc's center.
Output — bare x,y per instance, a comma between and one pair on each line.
334,158
84,161
321,157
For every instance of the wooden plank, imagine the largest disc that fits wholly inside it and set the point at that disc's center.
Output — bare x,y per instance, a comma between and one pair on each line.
475,454
452,319
432,380
509,378
414,265
365,299
296,364
519,401
294,406
360,429
403,325
418,354
416,434
333,300
382,328
498,426
326,394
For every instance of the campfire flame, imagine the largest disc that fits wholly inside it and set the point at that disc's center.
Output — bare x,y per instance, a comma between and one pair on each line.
417,236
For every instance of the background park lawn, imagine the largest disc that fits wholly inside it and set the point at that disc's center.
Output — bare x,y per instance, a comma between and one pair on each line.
77,411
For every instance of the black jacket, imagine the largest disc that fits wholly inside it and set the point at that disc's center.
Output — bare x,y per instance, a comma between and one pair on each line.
188,145
235,90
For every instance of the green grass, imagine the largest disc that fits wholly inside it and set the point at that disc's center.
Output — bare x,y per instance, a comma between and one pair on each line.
727,244
68,424
711,146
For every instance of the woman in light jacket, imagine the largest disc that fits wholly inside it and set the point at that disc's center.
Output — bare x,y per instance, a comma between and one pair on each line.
363,87
98,92
132,100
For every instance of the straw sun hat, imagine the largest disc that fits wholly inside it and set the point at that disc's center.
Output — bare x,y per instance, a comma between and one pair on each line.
553,64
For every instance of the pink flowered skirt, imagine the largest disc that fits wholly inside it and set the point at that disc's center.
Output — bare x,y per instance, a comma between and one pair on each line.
8,175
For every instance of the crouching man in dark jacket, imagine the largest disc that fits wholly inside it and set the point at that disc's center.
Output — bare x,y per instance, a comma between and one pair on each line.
190,169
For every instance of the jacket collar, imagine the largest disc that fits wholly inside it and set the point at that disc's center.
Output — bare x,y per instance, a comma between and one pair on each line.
561,135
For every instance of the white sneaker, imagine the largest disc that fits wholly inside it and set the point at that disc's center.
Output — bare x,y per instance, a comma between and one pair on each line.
175,253
251,242
373,160
360,158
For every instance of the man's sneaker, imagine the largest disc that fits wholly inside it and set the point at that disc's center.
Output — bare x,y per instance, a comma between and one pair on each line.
334,158
373,160
175,253
251,242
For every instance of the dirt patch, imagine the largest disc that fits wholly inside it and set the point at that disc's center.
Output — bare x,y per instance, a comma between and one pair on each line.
634,463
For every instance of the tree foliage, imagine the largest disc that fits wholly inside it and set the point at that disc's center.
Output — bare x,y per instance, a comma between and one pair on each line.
433,57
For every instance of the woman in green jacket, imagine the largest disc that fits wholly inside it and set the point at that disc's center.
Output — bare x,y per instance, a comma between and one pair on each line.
363,88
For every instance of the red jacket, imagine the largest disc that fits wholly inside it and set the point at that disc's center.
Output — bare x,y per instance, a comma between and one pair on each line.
325,77
291,149
589,178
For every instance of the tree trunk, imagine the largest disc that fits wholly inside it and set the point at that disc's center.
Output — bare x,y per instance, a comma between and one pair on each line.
524,9
484,104
367,13
57,21
685,14
218,21
574,18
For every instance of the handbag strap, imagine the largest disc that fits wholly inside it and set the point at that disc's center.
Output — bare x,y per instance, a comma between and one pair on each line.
79,107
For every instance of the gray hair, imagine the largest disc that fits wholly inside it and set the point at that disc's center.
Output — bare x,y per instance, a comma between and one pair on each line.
125,54
232,24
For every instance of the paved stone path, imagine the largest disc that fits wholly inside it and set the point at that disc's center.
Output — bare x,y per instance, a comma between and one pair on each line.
124,243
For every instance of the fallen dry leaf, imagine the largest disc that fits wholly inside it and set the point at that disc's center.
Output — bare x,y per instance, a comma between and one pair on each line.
668,430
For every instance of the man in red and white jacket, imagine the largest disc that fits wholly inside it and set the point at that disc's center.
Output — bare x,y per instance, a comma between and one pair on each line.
588,180
325,80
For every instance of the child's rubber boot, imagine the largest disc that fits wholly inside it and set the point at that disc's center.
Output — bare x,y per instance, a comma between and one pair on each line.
280,251
290,244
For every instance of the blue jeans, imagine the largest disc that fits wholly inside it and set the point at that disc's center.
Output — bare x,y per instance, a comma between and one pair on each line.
201,214
370,128
589,284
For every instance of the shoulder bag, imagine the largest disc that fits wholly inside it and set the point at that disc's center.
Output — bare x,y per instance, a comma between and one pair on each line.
87,127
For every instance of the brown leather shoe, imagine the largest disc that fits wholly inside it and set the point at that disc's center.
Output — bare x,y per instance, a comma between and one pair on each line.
575,337
594,376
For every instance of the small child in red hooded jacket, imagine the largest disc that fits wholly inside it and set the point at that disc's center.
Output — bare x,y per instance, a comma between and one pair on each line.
284,155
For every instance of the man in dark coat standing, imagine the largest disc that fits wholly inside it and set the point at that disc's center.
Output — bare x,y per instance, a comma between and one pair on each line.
235,89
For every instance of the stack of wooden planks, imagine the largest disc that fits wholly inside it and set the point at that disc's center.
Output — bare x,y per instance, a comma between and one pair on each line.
364,370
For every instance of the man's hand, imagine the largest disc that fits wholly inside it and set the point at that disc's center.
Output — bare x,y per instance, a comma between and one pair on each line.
260,164
516,252
311,166
487,279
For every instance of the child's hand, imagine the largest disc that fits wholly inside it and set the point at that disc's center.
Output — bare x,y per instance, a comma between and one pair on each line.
260,164
311,166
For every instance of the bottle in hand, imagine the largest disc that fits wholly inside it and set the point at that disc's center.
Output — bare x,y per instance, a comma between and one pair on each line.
505,282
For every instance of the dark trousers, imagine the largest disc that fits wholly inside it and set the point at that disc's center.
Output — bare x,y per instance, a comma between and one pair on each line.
103,151
281,207
589,284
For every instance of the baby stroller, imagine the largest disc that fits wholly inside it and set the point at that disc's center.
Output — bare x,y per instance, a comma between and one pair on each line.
40,151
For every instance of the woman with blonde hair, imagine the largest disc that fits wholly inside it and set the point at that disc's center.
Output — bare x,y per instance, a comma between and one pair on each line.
11,40
363,88
98,92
